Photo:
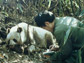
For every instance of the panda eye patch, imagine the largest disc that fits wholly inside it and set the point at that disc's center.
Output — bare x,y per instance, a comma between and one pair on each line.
14,40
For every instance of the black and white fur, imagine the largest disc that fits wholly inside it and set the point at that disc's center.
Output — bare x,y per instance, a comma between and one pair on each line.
36,36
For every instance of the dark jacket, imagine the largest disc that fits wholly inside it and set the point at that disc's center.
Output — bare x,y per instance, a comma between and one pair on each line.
68,52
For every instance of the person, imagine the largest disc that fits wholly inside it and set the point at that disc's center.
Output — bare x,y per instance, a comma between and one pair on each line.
69,49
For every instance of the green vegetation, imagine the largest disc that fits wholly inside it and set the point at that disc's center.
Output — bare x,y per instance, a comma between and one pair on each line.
16,11
27,9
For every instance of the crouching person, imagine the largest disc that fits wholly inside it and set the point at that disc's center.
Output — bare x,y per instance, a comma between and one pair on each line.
69,49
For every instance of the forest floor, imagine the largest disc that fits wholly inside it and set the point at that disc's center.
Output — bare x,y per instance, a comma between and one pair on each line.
13,56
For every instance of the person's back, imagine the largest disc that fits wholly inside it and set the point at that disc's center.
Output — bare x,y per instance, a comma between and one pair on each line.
62,24
67,21
74,41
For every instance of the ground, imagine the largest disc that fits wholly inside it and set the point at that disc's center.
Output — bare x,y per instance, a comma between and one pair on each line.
14,56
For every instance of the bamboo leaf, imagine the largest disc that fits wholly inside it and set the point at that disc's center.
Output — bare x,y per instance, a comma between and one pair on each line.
5,13
67,1
24,2
76,4
49,3
20,7
72,6
82,13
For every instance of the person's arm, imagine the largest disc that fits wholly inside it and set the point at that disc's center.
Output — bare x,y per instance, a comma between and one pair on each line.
63,53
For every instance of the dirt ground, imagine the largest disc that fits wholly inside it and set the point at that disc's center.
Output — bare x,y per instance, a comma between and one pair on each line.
14,56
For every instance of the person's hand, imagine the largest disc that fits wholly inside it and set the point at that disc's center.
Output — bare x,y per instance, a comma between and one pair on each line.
54,48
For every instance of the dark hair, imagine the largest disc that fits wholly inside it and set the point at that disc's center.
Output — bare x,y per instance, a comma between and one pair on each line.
42,17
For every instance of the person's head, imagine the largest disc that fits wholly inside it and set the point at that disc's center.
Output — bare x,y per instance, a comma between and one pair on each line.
45,20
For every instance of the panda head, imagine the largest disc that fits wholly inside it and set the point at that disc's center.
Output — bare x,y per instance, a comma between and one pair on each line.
17,34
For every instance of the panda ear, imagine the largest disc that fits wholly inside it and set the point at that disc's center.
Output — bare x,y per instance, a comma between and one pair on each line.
19,29
8,30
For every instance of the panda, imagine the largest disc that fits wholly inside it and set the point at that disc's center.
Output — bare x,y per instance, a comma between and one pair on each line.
24,33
